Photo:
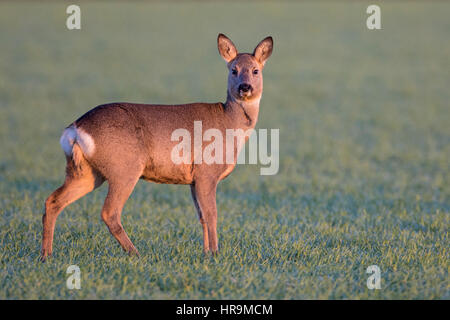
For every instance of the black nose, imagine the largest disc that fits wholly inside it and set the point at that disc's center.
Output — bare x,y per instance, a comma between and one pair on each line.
245,87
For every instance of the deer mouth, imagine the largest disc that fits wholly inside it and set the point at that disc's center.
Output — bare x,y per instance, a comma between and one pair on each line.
245,94
245,90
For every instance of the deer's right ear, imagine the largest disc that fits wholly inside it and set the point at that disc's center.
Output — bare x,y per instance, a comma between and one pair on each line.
226,48
263,50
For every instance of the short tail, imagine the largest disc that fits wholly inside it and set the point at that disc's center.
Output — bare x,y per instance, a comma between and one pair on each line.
73,142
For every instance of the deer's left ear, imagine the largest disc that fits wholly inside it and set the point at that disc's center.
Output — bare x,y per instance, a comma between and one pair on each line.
263,50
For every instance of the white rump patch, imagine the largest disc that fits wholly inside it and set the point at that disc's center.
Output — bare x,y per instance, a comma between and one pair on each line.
85,142
74,135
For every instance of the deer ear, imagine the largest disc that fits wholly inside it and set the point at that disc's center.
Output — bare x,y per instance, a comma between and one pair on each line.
263,50
226,48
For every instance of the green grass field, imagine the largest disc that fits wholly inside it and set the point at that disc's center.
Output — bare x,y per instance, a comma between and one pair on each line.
364,123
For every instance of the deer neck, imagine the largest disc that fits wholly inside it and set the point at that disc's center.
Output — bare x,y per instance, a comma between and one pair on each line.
243,113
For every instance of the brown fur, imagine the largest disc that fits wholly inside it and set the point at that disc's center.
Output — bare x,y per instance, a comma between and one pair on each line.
133,141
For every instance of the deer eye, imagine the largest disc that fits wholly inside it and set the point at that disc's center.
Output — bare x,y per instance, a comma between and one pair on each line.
256,71
234,71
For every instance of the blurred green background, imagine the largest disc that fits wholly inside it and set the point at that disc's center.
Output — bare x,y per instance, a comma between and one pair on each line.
364,150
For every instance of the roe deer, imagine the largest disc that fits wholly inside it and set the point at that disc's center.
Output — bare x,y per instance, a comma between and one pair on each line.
125,142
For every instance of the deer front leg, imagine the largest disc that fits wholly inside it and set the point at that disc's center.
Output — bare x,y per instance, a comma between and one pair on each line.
204,195
201,219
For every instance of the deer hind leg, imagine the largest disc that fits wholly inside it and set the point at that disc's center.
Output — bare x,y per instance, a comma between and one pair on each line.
205,199
80,180
202,220
118,194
